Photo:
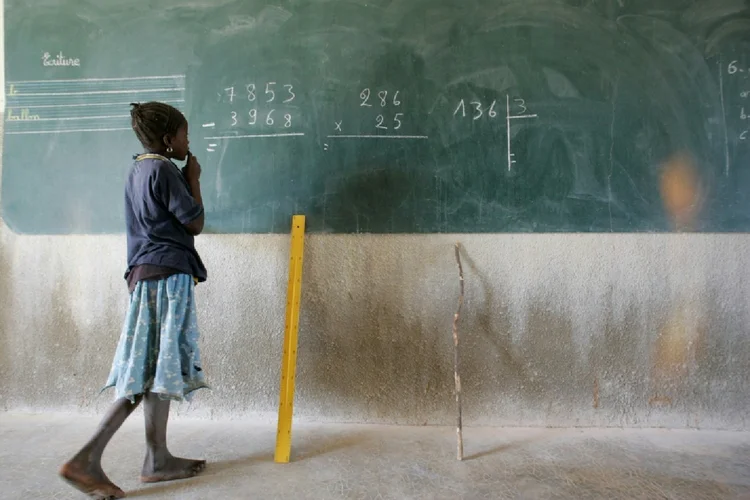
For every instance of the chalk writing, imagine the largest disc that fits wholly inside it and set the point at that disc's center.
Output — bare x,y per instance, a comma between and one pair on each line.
253,119
370,136
382,95
521,105
739,72
380,122
365,96
397,121
83,105
69,131
735,67
25,116
254,136
292,95
251,90
267,102
270,92
480,109
59,60
520,113
476,110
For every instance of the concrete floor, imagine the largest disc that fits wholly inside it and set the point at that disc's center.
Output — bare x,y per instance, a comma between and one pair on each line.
376,462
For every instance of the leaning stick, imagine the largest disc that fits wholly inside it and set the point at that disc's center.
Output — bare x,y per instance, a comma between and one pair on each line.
456,375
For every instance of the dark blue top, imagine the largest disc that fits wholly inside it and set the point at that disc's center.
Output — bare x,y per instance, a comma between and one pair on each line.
157,205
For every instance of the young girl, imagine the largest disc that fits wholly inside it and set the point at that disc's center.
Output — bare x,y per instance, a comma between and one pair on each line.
157,358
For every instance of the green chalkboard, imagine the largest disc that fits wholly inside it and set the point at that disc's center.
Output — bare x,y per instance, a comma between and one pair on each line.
385,116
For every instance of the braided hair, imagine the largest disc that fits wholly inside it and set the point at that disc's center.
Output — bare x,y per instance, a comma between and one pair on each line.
151,121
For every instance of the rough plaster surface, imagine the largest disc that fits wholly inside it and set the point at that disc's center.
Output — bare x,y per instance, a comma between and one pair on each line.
558,330
372,462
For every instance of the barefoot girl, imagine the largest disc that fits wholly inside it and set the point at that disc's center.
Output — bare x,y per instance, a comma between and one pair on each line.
157,358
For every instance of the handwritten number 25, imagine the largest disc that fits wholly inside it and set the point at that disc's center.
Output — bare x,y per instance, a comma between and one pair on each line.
396,120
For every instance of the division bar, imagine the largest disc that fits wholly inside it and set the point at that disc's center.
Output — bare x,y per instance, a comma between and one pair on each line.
521,116
253,136
378,137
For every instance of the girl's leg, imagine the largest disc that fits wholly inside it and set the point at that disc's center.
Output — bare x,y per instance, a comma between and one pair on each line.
160,465
84,470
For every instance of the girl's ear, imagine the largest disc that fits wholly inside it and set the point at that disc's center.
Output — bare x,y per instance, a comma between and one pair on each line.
167,140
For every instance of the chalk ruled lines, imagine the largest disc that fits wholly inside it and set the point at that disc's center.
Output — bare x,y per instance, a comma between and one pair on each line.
85,104
264,110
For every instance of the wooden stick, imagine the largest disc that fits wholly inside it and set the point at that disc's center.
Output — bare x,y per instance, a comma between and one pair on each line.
456,374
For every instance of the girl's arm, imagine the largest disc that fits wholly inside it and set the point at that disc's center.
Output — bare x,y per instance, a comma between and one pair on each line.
192,173
196,226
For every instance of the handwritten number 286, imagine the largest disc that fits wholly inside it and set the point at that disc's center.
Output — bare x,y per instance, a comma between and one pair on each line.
383,95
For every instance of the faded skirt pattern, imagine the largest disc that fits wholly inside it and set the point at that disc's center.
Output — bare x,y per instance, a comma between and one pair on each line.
158,347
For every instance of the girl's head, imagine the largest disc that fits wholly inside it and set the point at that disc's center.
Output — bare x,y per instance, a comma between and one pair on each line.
161,129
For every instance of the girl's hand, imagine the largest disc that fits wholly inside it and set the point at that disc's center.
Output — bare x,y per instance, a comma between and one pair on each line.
192,170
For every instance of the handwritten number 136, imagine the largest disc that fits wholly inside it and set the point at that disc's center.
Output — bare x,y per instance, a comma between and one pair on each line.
477,108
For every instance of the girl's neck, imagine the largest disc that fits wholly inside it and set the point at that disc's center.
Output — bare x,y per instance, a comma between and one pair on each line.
160,152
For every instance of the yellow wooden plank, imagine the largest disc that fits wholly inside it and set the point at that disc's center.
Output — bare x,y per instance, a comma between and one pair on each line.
291,328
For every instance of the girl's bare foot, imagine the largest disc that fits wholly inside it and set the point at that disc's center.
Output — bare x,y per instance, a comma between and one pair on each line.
91,480
169,468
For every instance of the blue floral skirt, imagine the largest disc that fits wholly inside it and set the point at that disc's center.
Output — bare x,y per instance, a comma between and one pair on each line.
158,348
